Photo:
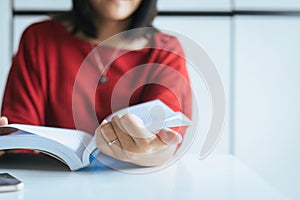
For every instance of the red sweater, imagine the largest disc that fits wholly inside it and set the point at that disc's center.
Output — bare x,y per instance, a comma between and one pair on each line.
39,88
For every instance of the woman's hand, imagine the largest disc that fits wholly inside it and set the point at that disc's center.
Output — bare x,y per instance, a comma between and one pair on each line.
3,121
126,138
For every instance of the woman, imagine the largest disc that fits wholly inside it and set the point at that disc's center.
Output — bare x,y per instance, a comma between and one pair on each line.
40,91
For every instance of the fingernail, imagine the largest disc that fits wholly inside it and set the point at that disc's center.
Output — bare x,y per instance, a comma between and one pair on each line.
177,139
4,120
173,137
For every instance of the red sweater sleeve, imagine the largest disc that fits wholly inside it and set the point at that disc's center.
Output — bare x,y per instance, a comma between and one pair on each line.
24,97
169,80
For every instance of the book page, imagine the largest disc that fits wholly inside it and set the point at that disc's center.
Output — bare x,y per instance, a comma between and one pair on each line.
74,139
90,152
156,115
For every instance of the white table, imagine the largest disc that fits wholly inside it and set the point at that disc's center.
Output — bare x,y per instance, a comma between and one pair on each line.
216,177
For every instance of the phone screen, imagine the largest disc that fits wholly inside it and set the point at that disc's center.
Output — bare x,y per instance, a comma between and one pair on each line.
9,183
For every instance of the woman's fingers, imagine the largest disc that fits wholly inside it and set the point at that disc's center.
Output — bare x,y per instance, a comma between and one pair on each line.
134,126
109,135
3,121
169,137
127,139
5,130
102,143
127,142
109,143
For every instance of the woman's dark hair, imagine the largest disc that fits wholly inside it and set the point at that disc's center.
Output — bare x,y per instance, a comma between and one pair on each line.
82,15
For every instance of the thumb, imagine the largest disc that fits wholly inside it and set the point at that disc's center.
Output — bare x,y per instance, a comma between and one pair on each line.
169,137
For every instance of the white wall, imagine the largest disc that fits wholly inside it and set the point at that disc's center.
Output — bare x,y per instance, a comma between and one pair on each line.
213,35
42,4
270,5
267,64
194,5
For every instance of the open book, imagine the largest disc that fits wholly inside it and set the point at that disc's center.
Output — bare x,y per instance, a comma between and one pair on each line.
77,148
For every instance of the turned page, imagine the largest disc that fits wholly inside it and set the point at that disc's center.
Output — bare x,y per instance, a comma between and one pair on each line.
156,115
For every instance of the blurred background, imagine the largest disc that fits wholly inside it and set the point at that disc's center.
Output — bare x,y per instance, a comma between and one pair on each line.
256,47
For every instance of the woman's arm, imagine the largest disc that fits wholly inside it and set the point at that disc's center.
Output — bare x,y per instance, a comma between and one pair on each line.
132,142
24,97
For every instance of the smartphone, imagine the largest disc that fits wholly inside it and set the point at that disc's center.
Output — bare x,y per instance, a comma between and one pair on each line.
8,183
